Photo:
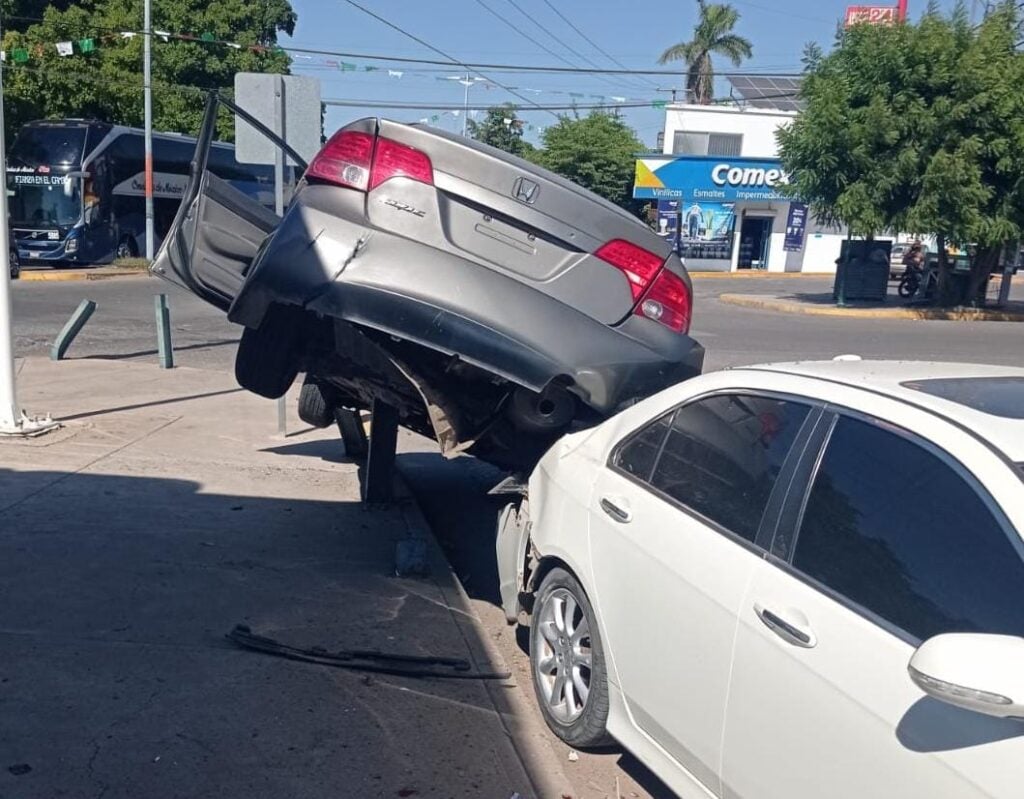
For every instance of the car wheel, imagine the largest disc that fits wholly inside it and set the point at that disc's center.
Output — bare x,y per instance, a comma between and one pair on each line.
125,249
314,406
15,265
267,359
567,662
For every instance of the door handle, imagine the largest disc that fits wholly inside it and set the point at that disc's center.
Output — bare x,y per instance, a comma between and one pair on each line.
792,631
618,510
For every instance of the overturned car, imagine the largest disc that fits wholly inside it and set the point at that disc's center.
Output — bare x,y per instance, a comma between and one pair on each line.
494,304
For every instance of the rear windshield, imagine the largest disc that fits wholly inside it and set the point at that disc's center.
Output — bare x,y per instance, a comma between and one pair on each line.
998,396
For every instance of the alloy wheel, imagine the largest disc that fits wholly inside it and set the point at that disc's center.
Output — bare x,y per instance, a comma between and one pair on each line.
563,666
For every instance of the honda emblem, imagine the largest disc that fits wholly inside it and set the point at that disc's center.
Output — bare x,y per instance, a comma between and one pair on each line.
525,191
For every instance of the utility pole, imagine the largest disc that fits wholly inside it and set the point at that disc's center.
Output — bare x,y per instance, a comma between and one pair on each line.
902,10
12,421
468,82
147,93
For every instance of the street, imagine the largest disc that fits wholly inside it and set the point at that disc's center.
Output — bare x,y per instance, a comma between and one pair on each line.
123,326
452,494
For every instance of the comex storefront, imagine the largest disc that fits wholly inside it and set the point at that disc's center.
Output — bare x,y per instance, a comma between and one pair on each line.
718,187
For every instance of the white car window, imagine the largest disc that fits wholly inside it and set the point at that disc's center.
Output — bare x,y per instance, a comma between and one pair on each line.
892,527
720,458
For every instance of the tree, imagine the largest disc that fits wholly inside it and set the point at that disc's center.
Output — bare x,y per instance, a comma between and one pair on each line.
597,151
501,128
712,35
917,128
106,82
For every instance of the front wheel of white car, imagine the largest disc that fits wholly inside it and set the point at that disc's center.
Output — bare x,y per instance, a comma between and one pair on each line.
567,662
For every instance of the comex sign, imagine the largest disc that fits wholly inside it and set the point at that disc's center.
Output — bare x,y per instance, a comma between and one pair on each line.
728,175
704,178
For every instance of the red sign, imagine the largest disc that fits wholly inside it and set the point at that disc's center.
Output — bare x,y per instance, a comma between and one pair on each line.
872,15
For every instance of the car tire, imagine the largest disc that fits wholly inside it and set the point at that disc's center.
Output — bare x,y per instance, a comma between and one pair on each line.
15,265
126,249
566,655
267,362
315,408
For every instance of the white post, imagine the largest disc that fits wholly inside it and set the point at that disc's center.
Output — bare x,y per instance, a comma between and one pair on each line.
465,105
9,412
12,421
147,92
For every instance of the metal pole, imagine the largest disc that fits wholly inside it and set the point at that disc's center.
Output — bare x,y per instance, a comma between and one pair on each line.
147,92
280,129
465,106
8,397
12,421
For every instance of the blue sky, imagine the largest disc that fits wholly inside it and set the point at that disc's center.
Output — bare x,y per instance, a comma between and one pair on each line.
633,33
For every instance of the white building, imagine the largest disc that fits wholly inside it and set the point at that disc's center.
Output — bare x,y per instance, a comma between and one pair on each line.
717,180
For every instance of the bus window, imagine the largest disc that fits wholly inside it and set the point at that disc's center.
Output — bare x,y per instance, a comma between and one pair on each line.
40,200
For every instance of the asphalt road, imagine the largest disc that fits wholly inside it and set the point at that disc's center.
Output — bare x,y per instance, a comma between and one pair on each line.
124,326
453,493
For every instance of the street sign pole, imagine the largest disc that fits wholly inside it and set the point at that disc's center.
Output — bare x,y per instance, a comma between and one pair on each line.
281,130
147,92
12,421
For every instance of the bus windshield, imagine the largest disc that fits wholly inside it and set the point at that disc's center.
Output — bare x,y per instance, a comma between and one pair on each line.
53,145
40,200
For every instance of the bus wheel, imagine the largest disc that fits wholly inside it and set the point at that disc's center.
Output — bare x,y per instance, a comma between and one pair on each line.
126,249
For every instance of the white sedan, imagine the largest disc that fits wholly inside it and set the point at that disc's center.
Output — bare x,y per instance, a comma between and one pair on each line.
790,581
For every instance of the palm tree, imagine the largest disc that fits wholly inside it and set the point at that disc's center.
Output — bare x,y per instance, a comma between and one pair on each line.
712,34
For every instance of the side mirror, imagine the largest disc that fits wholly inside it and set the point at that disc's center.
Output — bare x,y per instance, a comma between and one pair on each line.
983,673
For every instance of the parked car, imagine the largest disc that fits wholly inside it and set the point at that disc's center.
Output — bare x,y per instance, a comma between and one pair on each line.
727,579
496,305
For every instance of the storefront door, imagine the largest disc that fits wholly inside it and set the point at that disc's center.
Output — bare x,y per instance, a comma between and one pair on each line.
755,236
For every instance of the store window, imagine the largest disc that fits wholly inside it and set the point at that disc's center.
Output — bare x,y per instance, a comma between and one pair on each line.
696,143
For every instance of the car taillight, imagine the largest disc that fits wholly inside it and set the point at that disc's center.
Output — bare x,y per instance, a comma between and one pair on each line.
345,159
363,161
639,265
394,160
667,301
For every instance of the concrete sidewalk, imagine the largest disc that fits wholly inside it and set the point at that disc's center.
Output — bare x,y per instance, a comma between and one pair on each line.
162,514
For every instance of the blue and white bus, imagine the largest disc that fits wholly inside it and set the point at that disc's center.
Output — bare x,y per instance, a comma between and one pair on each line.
76,189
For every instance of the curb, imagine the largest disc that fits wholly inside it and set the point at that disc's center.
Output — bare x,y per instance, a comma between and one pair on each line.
543,768
748,274
65,276
766,303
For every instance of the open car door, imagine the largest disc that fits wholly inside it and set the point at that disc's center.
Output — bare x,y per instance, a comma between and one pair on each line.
218,229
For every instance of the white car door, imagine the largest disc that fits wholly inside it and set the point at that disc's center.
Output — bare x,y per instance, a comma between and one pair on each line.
894,542
674,523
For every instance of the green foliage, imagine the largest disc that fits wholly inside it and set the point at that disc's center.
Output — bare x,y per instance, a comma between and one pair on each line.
501,128
916,127
711,36
597,151
107,83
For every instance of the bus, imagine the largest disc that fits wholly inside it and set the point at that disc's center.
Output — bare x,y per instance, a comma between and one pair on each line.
76,189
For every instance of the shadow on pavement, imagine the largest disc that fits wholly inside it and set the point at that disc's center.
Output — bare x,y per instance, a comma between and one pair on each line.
153,404
453,496
116,679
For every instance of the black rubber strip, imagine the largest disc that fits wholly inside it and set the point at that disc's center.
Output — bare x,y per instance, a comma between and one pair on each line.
366,660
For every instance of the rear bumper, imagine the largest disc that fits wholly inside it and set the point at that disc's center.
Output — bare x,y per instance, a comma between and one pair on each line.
442,301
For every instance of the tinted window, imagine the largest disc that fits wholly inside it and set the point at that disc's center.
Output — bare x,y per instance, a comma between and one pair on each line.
49,144
639,453
1000,396
894,528
723,454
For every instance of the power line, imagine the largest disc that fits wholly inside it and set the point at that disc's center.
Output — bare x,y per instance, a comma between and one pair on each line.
584,36
512,26
441,53
450,62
